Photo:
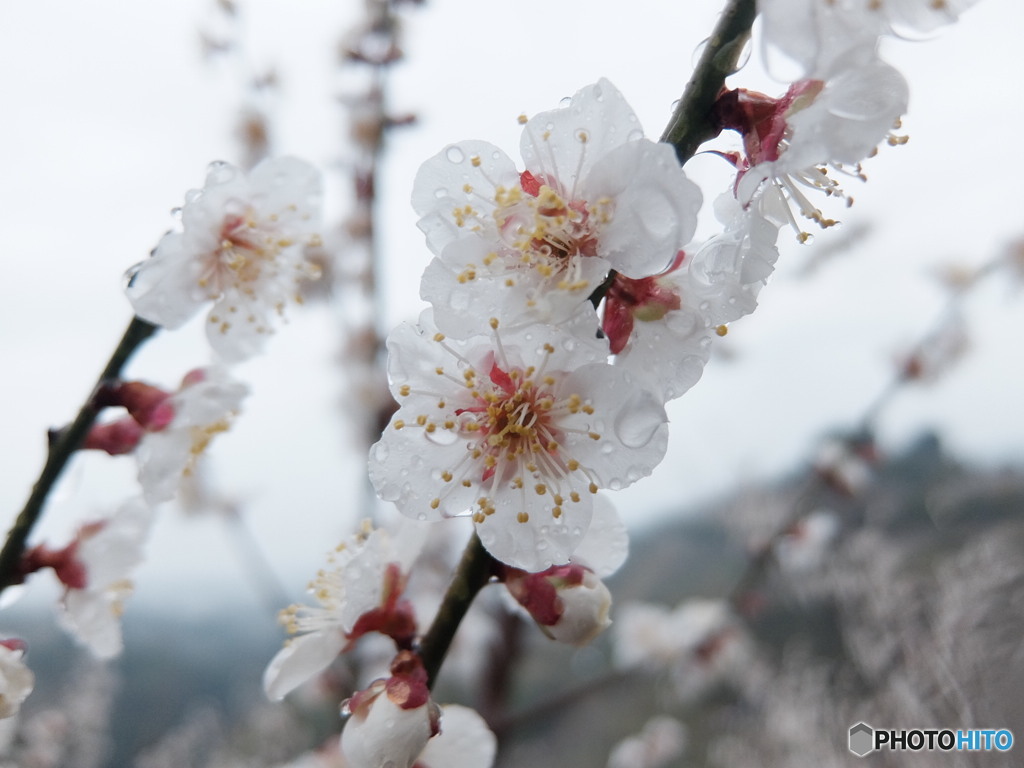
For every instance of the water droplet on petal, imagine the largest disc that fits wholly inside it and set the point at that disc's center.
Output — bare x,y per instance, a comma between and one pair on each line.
381,452
443,436
639,420
635,135
176,212
454,154
565,101
440,192
615,484
421,516
345,710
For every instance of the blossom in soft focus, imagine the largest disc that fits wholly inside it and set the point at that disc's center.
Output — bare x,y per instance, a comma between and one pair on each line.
204,406
811,32
16,679
106,553
241,247
519,428
698,642
391,721
661,741
362,590
532,245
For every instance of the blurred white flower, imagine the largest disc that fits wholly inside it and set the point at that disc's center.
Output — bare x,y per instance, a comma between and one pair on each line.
107,551
361,591
241,247
204,406
661,740
16,679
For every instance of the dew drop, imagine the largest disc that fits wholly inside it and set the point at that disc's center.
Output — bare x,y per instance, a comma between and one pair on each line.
615,484
699,51
639,420
569,345
443,436
381,452
635,135
675,105
421,516
544,530
607,448
129,275
565,101
549,127
744,58
541,546
345,710
454,154
577,531
440,192
176,212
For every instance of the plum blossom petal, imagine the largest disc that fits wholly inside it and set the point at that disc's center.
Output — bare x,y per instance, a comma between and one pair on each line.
728,271
205,406
605,547
595,195
241,247
391,721
660,329
361,590
519,429
108,552
813,32
16,679
465,741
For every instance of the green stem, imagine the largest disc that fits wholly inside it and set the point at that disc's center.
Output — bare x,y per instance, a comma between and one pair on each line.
474,571
691,123
67,442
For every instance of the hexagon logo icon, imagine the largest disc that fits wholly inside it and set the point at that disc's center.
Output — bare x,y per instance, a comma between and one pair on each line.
862,737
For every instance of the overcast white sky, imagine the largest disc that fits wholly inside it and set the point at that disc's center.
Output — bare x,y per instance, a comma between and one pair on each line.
110,116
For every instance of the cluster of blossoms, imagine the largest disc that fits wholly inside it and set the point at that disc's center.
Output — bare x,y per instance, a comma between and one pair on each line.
242,248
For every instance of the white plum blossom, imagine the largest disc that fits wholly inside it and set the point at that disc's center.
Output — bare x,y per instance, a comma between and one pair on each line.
660,329
814,31
241,247
518,428
361,590
661,741
204,406
390,722
16,679
107,552
532,245
465,741
570,603
834,120
728,271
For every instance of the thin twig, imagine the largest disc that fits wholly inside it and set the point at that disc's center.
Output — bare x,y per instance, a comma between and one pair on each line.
66,443
691,123
473,573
